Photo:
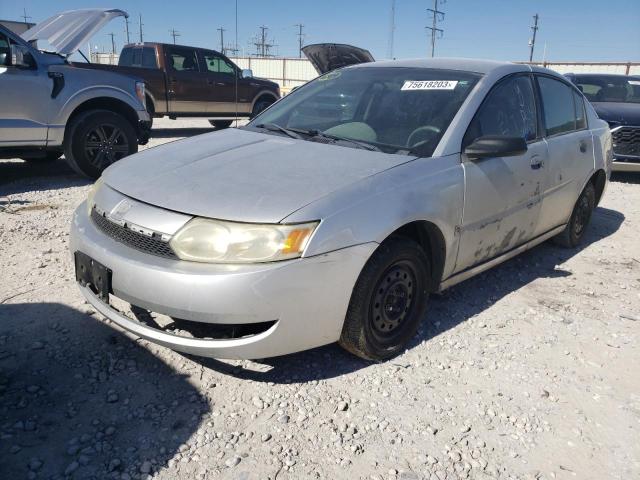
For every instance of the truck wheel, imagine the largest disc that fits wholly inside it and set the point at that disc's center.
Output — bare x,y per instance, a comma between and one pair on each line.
260,105
388,301
580,217
96,139
151,110
221,124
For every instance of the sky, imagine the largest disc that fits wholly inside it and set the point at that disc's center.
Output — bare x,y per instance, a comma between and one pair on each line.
569,30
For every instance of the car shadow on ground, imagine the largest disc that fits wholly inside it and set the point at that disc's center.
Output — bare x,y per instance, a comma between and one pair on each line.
180,132
453,307
79,397
17,176
626,177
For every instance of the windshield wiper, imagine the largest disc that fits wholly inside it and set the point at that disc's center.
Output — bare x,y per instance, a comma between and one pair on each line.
318,133
273,127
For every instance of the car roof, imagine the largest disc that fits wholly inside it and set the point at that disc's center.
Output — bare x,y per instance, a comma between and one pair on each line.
605,75
463,64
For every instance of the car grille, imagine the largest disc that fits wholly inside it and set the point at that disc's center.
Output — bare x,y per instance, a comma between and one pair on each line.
150,245
626,141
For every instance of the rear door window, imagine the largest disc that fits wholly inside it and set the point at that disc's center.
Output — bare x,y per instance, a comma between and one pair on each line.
558,105
509,109
182,59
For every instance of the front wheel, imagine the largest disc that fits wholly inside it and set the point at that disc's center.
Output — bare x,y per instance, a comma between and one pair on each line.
97,138
260,105
573,233
388,301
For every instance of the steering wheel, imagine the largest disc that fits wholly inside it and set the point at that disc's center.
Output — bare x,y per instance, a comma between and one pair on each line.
422,135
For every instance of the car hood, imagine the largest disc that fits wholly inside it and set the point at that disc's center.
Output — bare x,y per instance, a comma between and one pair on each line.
618,113
243,175
68,31
328,56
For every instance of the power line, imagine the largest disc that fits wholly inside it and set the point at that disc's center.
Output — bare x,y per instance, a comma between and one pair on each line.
532,42
261,43
113,42
140,22
392,28
174,33
437,16
222,49
300,38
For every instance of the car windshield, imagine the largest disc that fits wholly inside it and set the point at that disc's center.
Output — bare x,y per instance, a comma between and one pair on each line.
392,109
604,88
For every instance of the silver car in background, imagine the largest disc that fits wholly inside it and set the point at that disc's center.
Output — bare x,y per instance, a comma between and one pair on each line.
334,213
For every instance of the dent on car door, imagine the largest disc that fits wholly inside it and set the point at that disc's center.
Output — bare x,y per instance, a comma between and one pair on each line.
570,146
502,194
25,94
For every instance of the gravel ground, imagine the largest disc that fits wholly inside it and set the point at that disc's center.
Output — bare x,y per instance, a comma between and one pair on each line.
529,371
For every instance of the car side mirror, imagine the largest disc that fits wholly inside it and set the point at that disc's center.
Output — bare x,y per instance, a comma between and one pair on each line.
246,73
491,146
21,57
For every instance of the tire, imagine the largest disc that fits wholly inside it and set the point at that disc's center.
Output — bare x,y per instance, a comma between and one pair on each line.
260,105
395,277
221,124
151,110
573,233
97,138
46,158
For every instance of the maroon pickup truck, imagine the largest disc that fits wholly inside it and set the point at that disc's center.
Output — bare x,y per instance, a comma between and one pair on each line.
193,82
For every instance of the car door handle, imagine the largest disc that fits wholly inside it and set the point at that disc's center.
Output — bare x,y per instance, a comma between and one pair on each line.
583,146
536,163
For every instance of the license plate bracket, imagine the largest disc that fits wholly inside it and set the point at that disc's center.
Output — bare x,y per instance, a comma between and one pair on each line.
94,275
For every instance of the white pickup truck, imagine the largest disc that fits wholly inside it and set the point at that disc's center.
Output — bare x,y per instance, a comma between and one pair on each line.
48,107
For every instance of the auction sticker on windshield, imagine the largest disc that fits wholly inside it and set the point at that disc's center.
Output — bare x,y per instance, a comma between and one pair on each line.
429,85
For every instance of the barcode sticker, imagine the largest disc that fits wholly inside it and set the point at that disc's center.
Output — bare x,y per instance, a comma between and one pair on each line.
429,85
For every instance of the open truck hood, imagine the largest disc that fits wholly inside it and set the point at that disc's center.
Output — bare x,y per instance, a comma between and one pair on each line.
67,31
328,56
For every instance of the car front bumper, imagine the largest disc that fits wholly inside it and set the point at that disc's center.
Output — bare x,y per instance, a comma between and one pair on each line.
307,298
626,164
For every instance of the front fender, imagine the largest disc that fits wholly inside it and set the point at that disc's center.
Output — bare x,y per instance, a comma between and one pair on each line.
425,189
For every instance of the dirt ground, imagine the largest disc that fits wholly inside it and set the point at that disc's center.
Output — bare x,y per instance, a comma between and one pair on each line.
529,371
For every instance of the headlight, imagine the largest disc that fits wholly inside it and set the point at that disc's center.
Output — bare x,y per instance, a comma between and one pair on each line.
140,93
215,241
92,193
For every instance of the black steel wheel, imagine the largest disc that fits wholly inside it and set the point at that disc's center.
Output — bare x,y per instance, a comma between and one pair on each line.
388,301
97,139
573,233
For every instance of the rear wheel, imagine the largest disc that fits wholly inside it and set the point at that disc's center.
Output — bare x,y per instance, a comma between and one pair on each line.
260,105
96,139
221,124
388,301
573,233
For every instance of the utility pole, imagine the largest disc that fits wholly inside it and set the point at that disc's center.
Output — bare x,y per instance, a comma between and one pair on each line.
437,16
261,44
392,28
222,49
300,38
174,33
140,22
126,28
113,42
25,16
532,42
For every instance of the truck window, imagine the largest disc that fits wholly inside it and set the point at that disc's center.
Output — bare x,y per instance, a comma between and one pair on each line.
182,59
149,58
126,57
216,63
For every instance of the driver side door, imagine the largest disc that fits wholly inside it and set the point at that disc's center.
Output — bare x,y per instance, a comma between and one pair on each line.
502,202
25,100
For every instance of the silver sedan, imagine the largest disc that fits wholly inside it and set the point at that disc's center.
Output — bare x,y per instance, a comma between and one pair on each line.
336,212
